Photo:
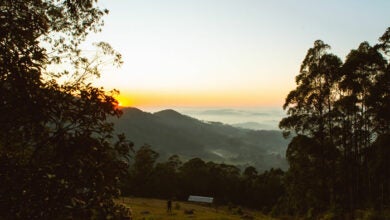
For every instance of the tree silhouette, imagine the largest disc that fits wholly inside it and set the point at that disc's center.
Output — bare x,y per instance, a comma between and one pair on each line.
309,105
142,170
57,158
338,113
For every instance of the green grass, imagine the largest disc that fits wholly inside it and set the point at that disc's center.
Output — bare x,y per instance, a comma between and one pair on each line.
155,209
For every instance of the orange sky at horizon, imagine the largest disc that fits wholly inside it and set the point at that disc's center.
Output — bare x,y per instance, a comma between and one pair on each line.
148,99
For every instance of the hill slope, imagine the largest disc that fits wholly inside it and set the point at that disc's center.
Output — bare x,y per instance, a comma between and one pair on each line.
143,208
169,132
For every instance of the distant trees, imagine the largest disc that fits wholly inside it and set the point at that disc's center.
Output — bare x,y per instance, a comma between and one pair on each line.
165,178
226,183
142,169
57,156
340,114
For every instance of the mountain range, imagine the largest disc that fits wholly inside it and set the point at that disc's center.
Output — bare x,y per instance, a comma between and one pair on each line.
169,132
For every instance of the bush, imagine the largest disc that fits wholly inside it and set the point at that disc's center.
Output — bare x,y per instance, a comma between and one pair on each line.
177,206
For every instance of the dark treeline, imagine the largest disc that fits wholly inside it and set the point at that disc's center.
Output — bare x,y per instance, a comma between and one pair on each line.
226,183
340,113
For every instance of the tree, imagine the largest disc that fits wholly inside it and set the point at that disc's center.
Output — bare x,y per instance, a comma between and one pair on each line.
166,178
360,71
57,156
340,115
194,178
379,99
309,106
310,115
142,171
378,173
269,189
222,182
306,184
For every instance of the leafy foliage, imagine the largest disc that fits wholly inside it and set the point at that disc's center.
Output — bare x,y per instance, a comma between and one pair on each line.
340,113
57,158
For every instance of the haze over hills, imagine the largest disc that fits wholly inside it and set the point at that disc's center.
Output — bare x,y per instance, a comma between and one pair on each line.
170,132
253,125
264,118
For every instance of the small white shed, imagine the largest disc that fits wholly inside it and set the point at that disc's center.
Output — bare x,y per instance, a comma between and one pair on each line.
203,199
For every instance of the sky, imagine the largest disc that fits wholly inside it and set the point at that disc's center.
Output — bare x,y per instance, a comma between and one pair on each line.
225,53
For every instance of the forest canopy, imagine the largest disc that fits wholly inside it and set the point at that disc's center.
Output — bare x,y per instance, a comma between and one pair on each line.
339,111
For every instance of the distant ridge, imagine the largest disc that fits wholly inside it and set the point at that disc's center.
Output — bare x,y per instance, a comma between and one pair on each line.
253,125
170,132
168,113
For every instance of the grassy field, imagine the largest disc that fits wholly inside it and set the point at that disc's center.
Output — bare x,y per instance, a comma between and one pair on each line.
155,209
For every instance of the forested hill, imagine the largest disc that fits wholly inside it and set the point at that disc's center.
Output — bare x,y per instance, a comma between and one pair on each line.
168,132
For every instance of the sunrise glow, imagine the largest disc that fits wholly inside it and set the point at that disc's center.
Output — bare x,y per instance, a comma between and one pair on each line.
205,99
224,53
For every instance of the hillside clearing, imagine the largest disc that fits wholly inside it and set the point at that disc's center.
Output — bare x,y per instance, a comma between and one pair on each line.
156,209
